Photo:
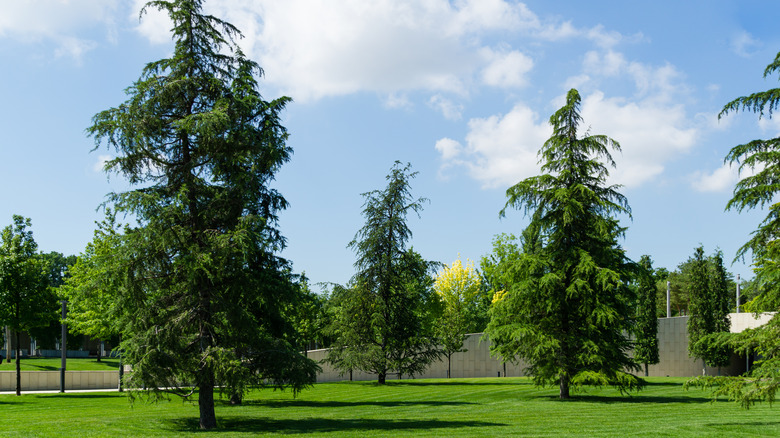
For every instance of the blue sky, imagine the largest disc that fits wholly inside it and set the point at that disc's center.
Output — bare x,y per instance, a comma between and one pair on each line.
461,89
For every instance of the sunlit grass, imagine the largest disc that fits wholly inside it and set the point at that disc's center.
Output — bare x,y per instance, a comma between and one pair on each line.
457,407
54,364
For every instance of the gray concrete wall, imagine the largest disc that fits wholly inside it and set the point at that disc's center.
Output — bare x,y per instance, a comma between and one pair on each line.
50,380
476,362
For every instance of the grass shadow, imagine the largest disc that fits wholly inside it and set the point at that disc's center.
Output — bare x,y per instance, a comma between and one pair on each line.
322,425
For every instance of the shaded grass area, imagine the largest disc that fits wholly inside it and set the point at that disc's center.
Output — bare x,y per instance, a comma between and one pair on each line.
457,407
54,364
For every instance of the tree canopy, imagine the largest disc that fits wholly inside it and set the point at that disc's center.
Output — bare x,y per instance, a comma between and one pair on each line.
380,325
26,300
759,164
567,313
202,289
646,349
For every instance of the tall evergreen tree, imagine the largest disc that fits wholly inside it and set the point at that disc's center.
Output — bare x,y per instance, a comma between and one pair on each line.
380,324
700,318
203,290
568,313
646,349
709,308
759,190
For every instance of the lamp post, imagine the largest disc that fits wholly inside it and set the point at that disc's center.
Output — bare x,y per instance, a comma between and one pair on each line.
64,344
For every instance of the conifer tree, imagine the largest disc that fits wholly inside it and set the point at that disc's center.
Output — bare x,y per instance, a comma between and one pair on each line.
646,350
380,325
568,313
203,292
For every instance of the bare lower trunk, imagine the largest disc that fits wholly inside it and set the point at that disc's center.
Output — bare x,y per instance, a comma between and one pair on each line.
208,419
100,350
449,365
564,387
381,378
18,367
646,370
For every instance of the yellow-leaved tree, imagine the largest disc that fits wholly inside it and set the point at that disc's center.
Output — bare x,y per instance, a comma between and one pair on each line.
458,290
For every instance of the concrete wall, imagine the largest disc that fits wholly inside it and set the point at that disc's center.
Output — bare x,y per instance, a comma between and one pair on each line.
50,380
476,362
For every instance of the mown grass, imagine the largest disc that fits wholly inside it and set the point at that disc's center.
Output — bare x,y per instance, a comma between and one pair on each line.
54,364
457,407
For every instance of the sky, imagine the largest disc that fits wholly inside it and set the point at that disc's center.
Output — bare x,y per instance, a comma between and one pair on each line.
461,89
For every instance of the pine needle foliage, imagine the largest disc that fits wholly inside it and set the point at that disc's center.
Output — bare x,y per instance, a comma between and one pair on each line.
761,157
568,312
646,349
379,324
203,291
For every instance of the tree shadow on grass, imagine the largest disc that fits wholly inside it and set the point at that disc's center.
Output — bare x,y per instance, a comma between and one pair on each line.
457,383
296,403
86,395
636,399
321,425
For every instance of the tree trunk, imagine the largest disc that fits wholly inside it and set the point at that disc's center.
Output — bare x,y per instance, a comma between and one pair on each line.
646,370
208,419
381,378
7,344
564,387
18,366
449,365
100,347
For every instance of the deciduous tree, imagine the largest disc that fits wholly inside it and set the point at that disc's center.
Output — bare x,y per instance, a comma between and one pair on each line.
568,313
203,291
458,288
26,300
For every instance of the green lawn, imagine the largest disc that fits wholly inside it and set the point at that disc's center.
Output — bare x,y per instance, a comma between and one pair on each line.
458,407
54,364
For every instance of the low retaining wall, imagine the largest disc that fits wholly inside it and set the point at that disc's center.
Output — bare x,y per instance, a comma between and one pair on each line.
477,362
50,380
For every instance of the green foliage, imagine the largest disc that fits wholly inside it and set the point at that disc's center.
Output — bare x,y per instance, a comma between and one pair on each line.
567,311
26,300
709,307
202,293
379,323
91,287
458,289
646,347
757,191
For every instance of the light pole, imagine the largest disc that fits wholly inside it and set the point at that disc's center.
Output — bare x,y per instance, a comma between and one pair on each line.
64,344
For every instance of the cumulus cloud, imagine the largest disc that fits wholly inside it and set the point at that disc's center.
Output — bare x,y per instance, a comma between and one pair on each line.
721,179
63,22
499,150
317,48
449,109
506,68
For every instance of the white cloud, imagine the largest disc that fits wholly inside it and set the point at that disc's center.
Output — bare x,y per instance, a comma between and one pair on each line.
317,48
499,150
100,164
449,109
506,68
721,179
649,132
63,22
743,44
